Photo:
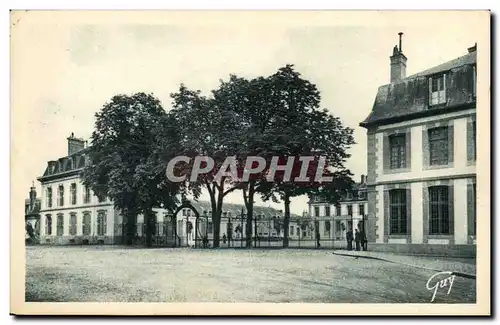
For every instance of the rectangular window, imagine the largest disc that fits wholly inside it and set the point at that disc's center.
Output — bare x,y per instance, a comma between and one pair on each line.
338,211
361,207
439,214
437,90
86,224
316,211
438,146
210,227
49,197
291,231
73,193
184,212
327,228
86,195
349,210
72,224
60,195
48,225
397,147
327,210
60,224
397,212
101,224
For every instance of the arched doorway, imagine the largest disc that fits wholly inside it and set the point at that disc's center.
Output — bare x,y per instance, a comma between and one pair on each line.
189,230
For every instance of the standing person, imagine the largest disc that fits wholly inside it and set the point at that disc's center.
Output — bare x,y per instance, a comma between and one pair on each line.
318,238
363,240
224,238
357,239
349,240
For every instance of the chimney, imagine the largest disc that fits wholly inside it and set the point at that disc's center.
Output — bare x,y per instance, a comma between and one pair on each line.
398,62
75,144
473,48
363,179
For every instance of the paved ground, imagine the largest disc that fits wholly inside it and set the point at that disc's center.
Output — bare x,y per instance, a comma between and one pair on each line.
117,274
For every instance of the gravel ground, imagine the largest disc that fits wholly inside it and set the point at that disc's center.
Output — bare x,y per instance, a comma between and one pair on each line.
117,274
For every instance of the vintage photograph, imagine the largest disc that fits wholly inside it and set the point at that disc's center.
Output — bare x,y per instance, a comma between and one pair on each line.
250,158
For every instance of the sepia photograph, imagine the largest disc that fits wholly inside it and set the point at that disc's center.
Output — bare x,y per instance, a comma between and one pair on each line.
250,162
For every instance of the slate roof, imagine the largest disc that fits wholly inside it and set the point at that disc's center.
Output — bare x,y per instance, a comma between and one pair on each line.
235,209
410,96
73,162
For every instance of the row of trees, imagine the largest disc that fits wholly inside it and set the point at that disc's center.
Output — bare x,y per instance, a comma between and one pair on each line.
277,115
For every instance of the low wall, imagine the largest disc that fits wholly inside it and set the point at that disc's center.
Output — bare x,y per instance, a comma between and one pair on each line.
425,249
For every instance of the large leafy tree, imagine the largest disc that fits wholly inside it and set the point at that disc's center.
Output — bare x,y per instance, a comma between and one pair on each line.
206,129
121,161
280,116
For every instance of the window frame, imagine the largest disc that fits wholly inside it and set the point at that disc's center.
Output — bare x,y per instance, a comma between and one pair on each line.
349,210
438,146
440,92
361,208
398,212
49,196
439,210
60,195
399,160
73,193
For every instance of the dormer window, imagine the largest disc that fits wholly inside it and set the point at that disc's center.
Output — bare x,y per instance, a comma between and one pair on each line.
437,90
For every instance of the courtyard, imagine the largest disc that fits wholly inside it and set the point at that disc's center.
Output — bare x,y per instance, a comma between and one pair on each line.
122,274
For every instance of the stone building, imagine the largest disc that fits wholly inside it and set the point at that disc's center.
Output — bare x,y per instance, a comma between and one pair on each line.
334,220
422,158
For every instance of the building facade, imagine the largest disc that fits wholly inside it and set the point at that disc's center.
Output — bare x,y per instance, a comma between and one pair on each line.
334,220
421,158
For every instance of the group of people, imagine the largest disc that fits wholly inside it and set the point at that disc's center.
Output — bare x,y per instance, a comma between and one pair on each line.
359,238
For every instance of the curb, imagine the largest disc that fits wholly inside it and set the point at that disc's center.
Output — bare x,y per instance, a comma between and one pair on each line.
460,274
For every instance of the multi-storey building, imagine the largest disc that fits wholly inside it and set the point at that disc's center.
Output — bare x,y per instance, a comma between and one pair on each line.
422,158
70,213
334,220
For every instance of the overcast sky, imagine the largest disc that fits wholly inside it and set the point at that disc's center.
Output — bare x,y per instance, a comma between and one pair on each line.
69,70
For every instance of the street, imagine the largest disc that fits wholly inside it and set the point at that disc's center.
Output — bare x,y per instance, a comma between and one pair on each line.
120,274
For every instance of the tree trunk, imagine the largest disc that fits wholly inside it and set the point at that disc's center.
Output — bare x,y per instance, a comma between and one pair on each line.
130,226
286,220
150,225
249,205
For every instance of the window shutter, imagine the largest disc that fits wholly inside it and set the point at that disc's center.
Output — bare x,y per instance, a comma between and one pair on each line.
105,224
470,210
425,148
408,148
450,144
450,209
408,215
444,86
430,91
470,141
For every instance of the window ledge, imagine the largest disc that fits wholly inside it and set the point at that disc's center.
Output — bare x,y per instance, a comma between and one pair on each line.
397,170
431,167
450,236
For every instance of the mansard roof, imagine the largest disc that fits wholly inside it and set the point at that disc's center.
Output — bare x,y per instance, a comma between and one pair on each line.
409,97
